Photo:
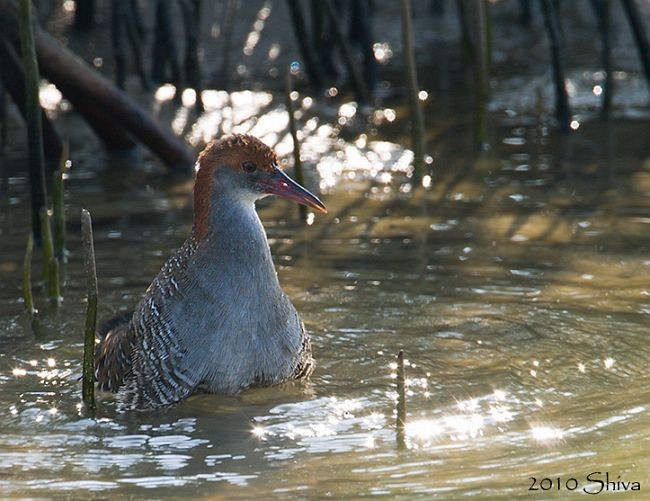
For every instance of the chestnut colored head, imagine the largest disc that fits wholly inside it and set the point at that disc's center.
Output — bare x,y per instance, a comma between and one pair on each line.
247,168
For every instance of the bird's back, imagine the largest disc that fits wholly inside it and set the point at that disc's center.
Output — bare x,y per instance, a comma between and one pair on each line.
140,344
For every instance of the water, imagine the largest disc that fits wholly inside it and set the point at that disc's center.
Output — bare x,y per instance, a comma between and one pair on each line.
517,283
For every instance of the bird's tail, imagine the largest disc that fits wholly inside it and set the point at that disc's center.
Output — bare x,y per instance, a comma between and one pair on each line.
108,324
113,351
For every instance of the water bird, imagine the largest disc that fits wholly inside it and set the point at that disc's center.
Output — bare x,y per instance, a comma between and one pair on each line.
215,318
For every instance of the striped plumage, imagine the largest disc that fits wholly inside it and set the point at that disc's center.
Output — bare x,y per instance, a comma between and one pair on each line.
215,317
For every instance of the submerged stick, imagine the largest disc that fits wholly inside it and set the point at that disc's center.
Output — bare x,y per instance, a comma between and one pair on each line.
297,163
50,263
81,84
417,119
88,378
401,402
351,65
78,82
27,277
58,204
35,155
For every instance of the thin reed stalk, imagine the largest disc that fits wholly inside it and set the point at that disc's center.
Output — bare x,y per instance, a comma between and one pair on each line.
165,52
58,205
35,155
481,68
417,118
50,263
27,277
117,40
53,286
602,9
293,129
226,34
635,18
304,46
88,377
359,86
3,114
134,34
552,24
84,15
489,36
191,13
400,424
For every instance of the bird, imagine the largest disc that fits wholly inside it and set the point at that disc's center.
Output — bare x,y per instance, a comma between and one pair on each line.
215,319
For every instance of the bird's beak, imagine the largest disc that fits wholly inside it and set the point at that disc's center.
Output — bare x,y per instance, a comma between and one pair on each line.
278,183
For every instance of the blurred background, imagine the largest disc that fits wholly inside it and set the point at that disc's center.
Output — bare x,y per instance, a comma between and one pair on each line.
486,167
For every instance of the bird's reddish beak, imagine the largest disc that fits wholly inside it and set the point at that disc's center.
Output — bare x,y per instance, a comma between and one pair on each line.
278,183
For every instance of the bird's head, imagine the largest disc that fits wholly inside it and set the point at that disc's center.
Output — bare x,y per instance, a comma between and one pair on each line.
242,167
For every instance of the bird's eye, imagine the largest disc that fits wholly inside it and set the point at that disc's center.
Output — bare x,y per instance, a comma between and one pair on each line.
249,167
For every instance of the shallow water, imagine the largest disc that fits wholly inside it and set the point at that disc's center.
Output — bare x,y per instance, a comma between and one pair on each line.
517,283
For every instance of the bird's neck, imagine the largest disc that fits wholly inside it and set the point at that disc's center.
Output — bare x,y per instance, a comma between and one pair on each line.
235,250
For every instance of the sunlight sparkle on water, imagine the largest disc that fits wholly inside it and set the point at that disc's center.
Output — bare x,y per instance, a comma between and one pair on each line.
423,429
50,97
188,97
252,112
259,432
467,405
499,394
546,433
165,92
348,110
382,52
390,115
